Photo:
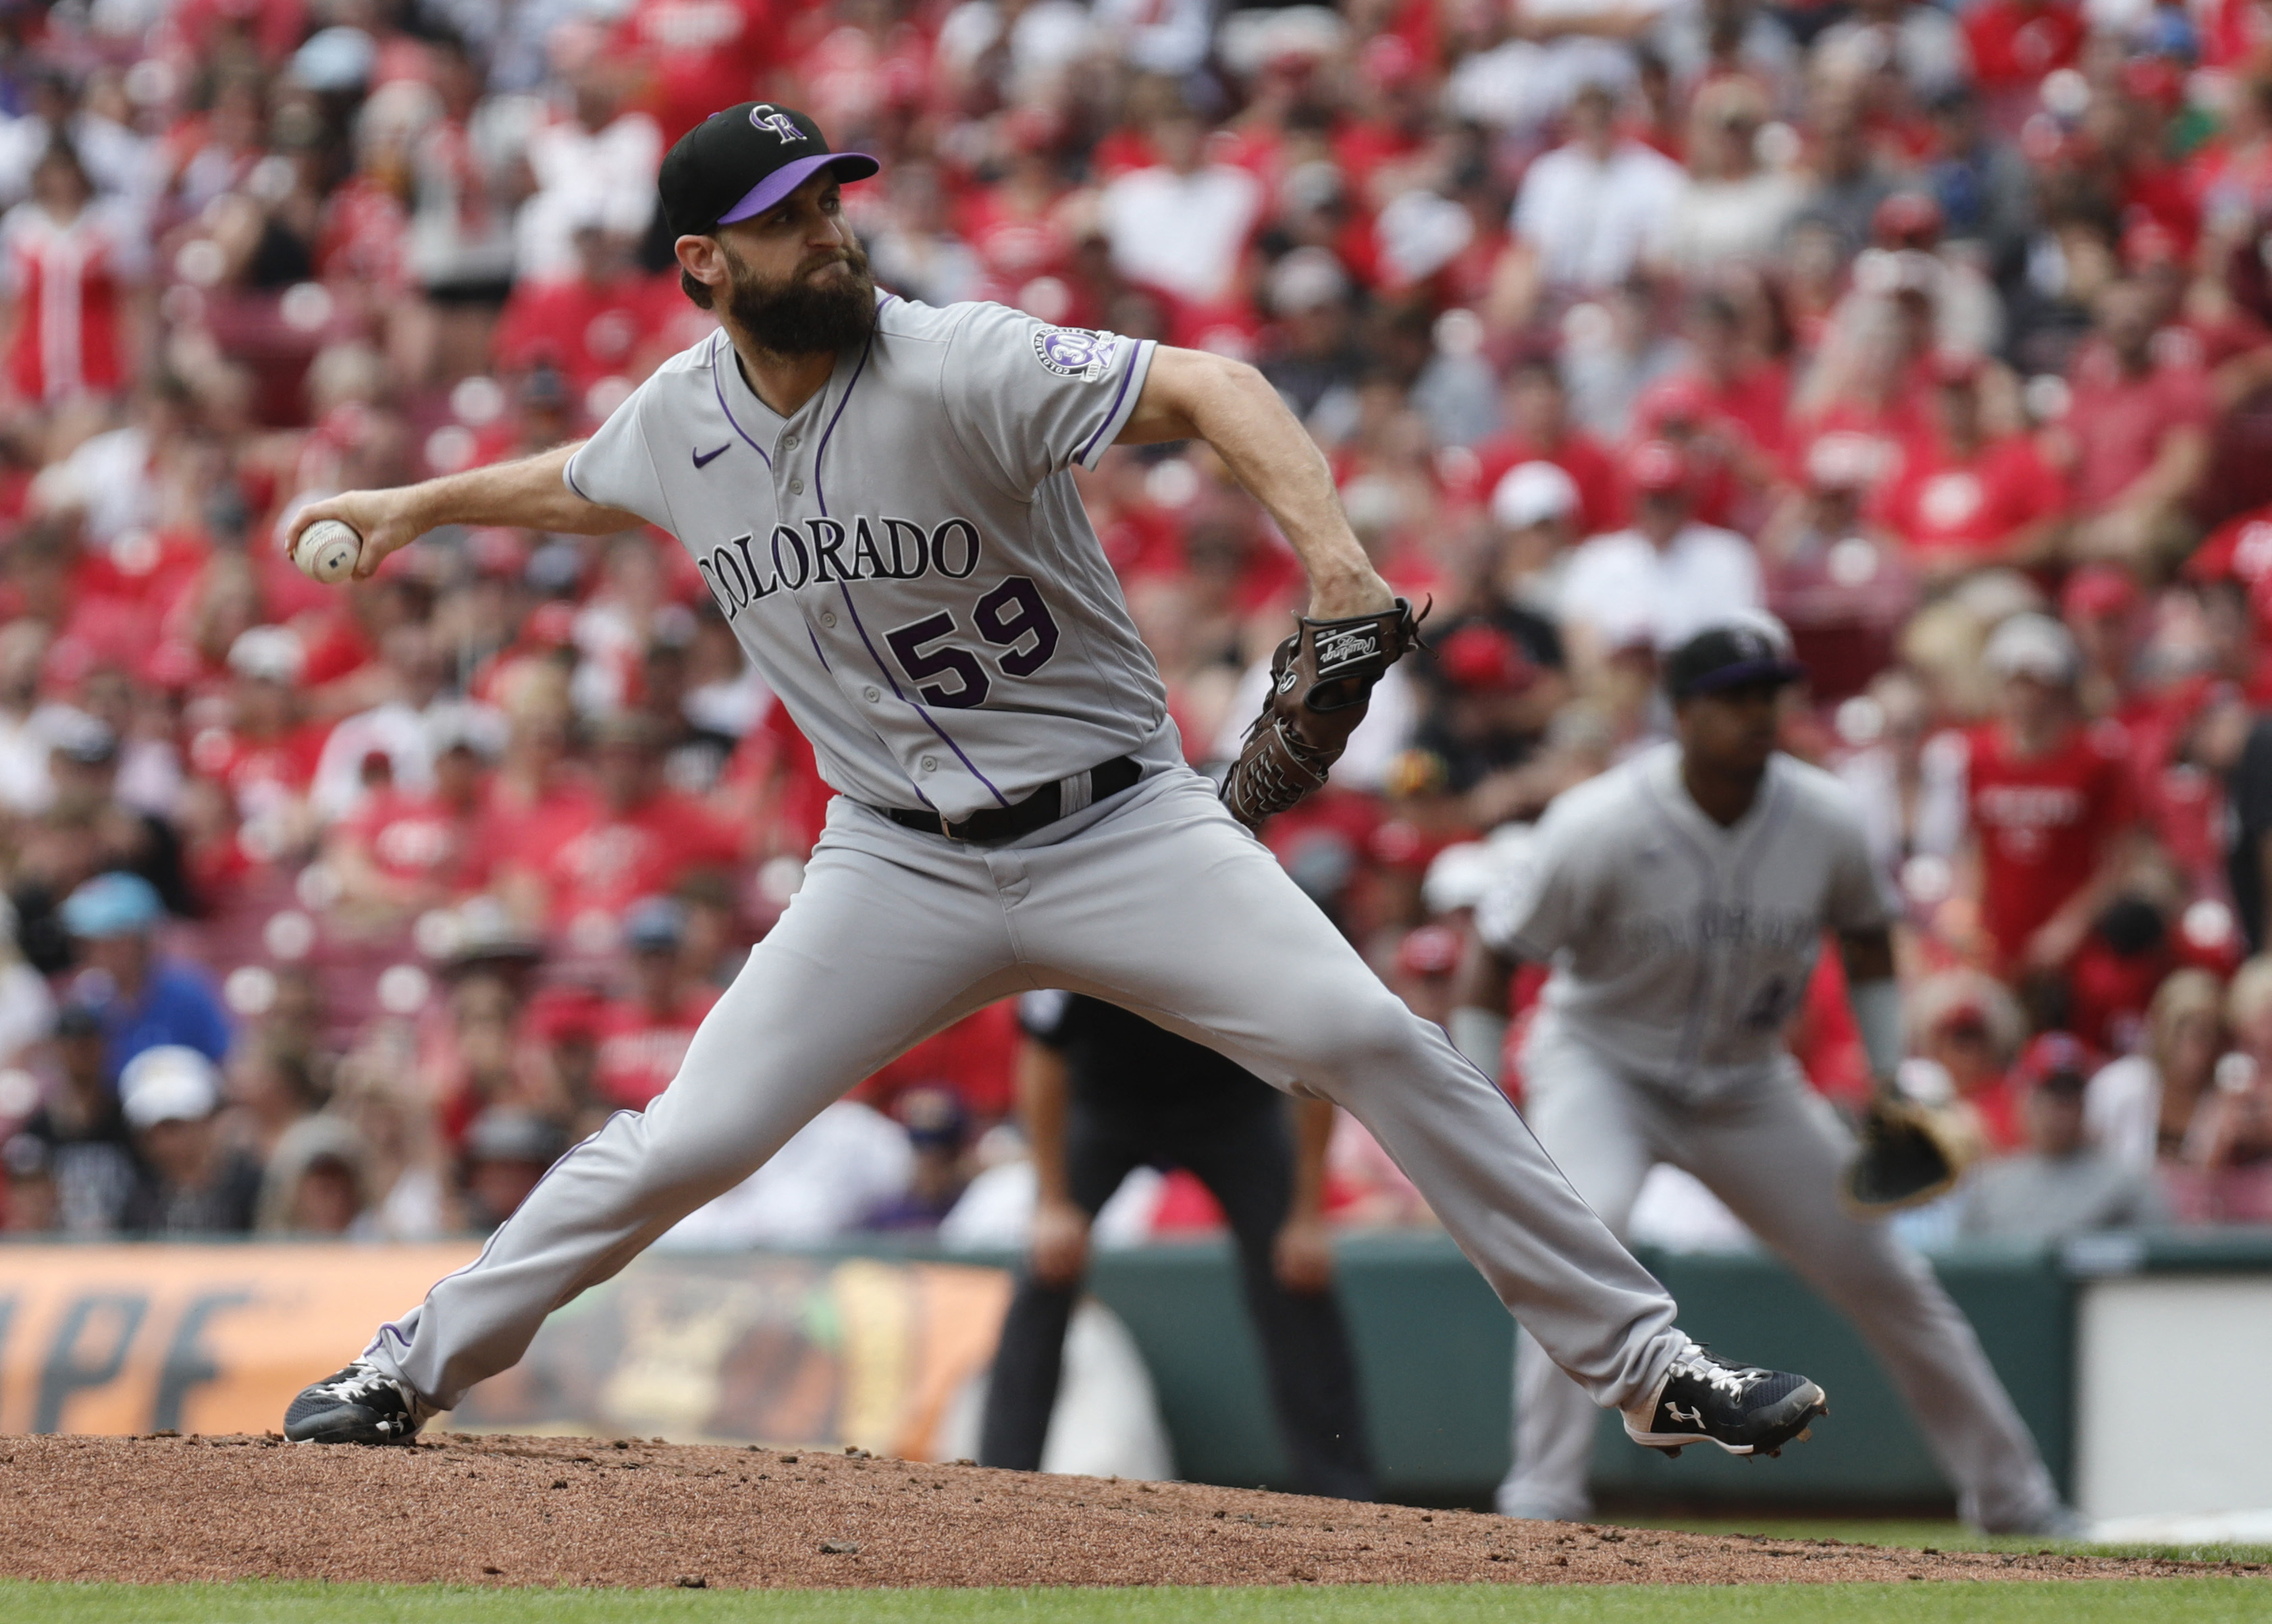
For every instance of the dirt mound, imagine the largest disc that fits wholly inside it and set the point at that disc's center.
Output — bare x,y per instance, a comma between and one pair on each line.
577,1511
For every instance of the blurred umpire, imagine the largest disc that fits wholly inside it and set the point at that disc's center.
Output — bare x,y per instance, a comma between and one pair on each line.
1103,1092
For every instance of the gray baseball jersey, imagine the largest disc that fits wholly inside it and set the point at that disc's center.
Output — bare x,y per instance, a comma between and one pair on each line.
1681,948
953,637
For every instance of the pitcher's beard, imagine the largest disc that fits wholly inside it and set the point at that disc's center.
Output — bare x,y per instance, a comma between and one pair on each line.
799,317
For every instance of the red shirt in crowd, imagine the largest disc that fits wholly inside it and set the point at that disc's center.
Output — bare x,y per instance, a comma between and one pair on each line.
1758,401
1997,1105
641,1047
2016,42
2239,549
699,56
2119,421
263,776
593,860
69,284
975,1058
775,767
588,331
1963,509
1601,489
417,836
2042,823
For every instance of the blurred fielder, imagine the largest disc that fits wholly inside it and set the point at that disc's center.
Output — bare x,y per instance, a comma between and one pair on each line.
1682,898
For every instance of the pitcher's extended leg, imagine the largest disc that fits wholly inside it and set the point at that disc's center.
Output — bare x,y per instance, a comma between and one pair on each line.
1596,1131
1170,907
1929,1348
872,955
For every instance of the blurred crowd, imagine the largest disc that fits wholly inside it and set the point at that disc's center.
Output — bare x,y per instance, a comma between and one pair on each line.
1944,334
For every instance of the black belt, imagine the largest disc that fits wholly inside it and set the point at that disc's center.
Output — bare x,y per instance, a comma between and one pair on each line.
991,824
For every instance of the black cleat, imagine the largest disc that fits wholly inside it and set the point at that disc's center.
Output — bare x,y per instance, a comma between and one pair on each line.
1744,1409
360,1404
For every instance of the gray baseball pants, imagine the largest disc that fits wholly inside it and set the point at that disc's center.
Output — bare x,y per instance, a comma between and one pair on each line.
1156,899
1773,1153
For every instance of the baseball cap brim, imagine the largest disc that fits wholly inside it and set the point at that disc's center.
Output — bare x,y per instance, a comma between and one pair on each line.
1745,674
768,192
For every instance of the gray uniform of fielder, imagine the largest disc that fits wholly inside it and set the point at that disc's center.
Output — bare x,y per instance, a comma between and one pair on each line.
906,561
1680,948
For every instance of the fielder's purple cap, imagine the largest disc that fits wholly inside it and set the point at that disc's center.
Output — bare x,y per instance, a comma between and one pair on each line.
736,164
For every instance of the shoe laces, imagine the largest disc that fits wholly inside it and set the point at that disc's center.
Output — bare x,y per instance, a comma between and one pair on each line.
1717,1374
361,1380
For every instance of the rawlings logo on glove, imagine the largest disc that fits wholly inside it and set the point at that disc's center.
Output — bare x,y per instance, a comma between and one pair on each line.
1348,648
1321,682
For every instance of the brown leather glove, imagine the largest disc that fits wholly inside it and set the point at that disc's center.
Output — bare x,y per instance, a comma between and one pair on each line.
1321,681
1910,1153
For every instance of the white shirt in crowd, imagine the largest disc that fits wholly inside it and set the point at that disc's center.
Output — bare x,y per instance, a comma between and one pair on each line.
845,1164
1717,222
1626,591
109,480
1591,221
603,177
26,742
1183,232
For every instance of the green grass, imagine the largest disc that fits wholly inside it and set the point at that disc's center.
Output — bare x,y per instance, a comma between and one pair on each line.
2210,1601
1921,1534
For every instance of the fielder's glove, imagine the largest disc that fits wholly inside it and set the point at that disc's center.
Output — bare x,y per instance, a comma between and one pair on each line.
1910,1153
1321,681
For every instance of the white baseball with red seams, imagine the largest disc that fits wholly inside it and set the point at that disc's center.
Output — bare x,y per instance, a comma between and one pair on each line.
906,561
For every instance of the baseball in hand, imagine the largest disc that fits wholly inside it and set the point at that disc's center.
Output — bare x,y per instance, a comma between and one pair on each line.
328,550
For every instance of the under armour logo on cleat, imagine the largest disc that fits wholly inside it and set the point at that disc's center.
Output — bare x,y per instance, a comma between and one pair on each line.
704,459
1694,1417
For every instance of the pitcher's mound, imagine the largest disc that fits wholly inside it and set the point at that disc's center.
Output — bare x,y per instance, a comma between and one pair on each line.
575,1511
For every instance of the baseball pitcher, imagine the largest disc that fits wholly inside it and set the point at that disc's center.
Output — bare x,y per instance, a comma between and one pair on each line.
879,497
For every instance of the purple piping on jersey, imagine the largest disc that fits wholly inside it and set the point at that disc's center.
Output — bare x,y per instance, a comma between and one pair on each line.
999,799
823,658
819,493
719,388
1082,455
568,472
821,496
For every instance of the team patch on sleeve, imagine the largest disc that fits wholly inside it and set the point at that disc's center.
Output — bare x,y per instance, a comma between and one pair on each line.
1075,352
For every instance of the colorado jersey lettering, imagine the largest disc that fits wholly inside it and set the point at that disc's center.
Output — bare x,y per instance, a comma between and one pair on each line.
945,629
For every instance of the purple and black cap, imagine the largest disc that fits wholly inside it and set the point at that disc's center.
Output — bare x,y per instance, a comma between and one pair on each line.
736,164
1741,655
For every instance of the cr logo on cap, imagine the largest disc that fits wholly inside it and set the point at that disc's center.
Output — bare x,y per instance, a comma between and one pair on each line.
764,116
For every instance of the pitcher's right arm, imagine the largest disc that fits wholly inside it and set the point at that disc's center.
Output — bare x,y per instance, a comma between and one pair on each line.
530,493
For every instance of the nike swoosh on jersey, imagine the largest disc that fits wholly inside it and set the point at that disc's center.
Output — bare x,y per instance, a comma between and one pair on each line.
703,461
